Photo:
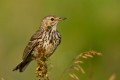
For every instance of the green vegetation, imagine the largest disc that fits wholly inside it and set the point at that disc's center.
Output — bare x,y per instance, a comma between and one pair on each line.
90,25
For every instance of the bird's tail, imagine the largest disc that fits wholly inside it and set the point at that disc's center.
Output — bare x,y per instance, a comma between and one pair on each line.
22,66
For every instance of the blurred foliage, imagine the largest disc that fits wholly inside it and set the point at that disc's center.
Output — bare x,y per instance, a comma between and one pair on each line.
90,24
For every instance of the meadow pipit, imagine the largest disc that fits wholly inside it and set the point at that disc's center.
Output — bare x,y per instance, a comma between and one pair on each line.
42,44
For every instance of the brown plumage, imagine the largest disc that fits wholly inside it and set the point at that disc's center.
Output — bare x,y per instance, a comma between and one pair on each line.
42,44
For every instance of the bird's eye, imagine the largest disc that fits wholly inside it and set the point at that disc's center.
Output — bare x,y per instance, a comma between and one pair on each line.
52,19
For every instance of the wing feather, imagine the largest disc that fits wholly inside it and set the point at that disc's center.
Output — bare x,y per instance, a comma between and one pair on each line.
29,48
32,44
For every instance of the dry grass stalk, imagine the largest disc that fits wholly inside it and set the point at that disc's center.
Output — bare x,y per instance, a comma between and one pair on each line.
79,60
79,68
41,70
88,54
112,77
74,76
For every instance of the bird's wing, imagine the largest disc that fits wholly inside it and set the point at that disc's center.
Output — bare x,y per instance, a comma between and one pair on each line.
31,45
37,35
29,48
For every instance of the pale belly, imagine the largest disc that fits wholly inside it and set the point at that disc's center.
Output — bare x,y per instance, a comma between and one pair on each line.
46,50
50,49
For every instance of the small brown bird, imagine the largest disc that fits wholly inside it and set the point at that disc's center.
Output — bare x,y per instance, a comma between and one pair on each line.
43,43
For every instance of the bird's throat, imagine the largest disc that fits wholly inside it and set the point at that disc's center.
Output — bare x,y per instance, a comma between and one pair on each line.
54,27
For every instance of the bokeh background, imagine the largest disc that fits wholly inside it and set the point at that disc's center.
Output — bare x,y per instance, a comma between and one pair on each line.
90,25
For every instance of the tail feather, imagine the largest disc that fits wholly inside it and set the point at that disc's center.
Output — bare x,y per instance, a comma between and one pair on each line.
21,66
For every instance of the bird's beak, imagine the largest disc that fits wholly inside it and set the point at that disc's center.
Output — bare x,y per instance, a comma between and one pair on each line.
60,19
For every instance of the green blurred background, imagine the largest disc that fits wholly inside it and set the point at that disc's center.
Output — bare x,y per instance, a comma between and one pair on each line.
90,24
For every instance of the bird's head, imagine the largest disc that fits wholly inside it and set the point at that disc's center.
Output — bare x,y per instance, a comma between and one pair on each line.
50,22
